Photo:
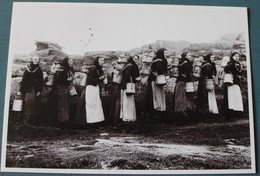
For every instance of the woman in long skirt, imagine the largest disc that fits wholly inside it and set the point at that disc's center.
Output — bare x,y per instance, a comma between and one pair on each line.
94,110
183,99
31,87
233,102
61,95
114,115
155,103
206,99
130,73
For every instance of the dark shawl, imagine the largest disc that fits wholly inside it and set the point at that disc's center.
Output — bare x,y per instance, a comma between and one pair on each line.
135,69
32,79
234,67
185,68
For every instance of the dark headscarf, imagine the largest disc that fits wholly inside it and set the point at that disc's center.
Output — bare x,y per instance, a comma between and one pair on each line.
207,59
183,57
98,67
160,55
65,65
135,72
232,55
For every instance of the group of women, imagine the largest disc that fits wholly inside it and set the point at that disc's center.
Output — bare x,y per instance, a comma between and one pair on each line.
92,108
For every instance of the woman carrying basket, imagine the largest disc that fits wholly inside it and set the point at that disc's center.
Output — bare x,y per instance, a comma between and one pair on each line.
184,89
233,102
155,103
206,99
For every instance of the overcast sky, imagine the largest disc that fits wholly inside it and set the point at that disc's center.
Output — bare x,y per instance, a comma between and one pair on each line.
82,27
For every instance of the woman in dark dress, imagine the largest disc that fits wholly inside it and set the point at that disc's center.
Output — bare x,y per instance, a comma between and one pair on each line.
155,97
31,87
233,102
114,115
183,100
206,100
61,95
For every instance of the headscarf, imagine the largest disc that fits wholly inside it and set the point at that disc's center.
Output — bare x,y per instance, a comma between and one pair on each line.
98,67
183,57
65,65
160,55
207,59
232,55
135,72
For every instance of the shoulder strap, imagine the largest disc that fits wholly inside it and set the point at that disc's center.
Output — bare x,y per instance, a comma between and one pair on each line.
157,60
183,63
205,65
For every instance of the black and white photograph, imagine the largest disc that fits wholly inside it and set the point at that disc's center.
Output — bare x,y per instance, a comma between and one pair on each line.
106,88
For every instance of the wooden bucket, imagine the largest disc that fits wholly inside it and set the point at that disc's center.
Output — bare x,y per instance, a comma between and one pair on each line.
83,80
17,105
210,84
175,72
228,79
72,91
146,71
196,71
50,80
160,80
117,78
130,88
175,62
189,87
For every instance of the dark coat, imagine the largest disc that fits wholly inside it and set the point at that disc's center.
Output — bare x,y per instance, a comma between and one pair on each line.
207,72
234,67
32,80
93,76
185,70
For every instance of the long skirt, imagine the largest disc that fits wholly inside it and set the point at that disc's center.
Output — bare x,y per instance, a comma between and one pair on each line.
127,107
94,111
212,102
114,115
206,100
63,103
80,116
183,101
159,101
235,101
31,103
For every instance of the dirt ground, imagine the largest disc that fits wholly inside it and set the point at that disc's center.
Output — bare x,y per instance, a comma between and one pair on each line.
141,145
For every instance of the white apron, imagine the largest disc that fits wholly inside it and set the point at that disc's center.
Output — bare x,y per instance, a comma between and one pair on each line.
159,101
213,107
127,107
94,111
235,101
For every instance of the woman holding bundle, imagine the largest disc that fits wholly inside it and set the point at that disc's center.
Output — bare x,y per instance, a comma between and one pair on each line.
31,87
233,103
183,95
206,100
155,103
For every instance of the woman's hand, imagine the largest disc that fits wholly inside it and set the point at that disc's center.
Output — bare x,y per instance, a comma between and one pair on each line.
38,94
102,77
138,78
155,73
70,79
